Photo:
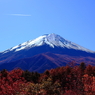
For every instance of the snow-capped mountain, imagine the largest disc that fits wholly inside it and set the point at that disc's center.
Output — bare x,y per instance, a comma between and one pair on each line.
52,40
47,43
45,52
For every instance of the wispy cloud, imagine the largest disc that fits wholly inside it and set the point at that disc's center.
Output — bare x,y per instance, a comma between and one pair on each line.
20,14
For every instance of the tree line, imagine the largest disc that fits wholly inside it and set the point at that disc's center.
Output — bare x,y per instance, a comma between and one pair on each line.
66,80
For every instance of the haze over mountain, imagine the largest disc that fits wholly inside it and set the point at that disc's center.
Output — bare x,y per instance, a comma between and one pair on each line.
35,55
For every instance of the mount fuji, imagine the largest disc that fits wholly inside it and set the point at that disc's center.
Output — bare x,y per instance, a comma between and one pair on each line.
40,50
52,40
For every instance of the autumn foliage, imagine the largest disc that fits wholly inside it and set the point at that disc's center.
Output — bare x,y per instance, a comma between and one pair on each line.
67,80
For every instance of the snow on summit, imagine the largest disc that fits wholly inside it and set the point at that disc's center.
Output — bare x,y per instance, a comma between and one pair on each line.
50,39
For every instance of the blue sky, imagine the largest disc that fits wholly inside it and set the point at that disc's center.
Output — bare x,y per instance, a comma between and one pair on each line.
23,20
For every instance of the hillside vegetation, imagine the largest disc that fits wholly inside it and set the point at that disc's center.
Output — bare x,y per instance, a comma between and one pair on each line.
67,80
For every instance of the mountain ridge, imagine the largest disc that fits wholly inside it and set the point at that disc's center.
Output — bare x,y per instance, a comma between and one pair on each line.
45,52
49,39
44,61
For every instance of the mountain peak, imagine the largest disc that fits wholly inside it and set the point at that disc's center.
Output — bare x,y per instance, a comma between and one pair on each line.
52,36
53,40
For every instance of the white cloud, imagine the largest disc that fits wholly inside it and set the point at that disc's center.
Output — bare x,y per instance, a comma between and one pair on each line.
20,14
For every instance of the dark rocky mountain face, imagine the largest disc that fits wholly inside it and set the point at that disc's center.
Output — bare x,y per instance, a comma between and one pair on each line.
45,52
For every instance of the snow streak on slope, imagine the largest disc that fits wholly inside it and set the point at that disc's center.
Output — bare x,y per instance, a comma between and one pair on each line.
50,39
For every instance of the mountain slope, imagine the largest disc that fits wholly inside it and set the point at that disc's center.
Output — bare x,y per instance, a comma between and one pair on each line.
47,43
52,40
44,61
45,52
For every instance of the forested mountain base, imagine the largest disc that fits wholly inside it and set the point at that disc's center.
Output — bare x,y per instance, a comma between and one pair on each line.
77,80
